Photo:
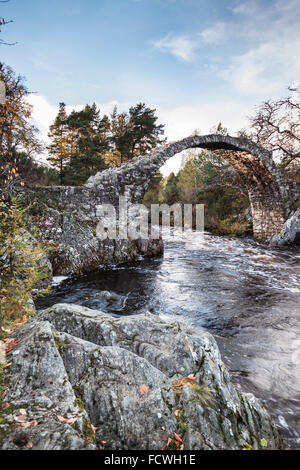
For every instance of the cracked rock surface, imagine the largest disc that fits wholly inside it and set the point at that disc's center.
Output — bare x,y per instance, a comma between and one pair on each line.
124,377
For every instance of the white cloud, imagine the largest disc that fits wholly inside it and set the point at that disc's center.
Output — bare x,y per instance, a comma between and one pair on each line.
182,121
245,8
267,69
269,35
182,47
214,34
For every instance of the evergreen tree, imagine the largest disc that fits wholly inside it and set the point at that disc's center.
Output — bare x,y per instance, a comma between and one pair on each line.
171,192
155,192
60,148
135,133
89,141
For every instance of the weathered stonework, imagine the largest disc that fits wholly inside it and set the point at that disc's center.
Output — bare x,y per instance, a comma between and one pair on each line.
269,193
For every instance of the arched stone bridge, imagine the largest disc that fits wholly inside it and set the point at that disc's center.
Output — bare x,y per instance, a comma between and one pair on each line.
267,191
269,194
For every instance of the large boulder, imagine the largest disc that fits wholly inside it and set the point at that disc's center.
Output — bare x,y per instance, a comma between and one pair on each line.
138,380
290,234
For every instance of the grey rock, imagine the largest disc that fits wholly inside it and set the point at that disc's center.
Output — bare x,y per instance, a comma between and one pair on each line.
104,361
290,234
39,385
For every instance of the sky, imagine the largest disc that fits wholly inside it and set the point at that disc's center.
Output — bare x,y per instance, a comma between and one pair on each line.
198,62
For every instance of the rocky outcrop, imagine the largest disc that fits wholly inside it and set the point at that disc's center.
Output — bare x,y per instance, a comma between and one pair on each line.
79,251
87,380
74,249
290,234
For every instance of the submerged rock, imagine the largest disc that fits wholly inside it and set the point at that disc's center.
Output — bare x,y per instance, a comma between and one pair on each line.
138,380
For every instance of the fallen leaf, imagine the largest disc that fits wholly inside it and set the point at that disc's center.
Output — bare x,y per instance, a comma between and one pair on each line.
67,420
10,343
50,381
103,443
31,424
7,365
94,429
29,445
164,447
164,438
212,364
3,395
176,413
144,389
20,419
8,332
23,412
22,322
183,380
178,438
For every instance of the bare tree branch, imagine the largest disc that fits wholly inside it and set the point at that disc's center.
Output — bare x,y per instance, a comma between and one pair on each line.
276,126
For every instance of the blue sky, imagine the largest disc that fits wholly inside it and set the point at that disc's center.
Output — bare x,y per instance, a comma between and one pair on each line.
198,61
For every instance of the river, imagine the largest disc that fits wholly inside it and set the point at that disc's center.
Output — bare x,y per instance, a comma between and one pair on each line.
245,293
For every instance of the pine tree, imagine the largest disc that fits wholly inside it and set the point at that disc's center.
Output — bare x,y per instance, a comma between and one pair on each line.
89,144
60,148
135,133
171,192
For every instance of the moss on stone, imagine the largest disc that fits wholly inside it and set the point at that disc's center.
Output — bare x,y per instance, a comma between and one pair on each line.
88,433
60,346
79,403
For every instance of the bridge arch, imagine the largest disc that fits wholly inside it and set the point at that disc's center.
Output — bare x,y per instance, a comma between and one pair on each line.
253,163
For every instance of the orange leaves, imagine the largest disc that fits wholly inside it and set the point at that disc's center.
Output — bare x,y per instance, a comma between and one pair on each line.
20,322
9,344
22,420
144,389
7,365
29,445
187,380
174,444
67,420
178,438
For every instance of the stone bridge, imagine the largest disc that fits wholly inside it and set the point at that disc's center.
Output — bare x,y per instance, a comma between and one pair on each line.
270,194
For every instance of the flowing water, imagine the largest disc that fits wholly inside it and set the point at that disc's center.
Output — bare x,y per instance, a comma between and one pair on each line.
246,294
